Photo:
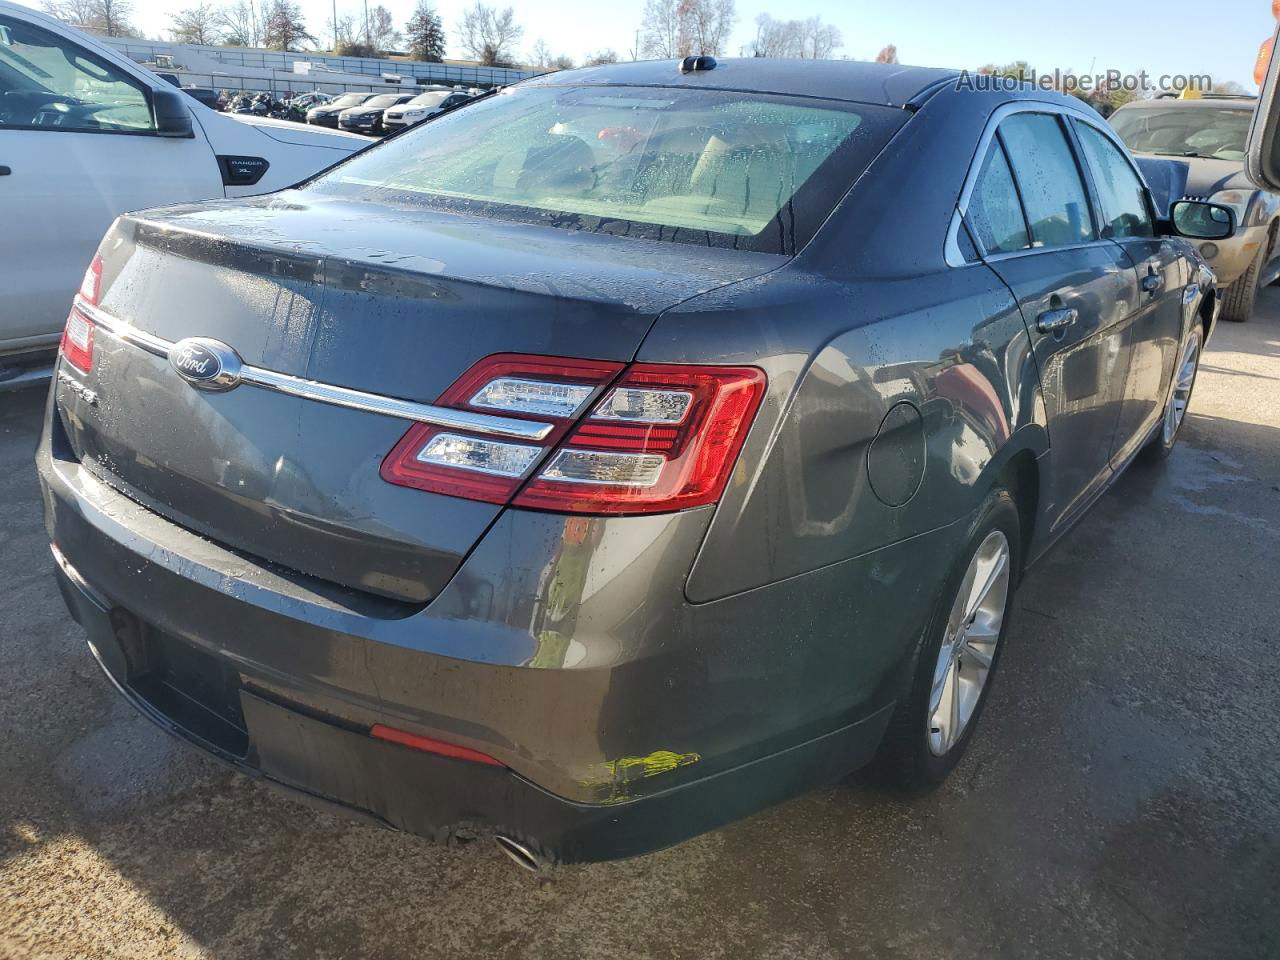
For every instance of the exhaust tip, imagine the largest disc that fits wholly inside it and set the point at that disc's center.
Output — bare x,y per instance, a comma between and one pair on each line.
520,855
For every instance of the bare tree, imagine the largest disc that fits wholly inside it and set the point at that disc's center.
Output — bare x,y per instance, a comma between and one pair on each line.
680,28
115,17
608,55
285,29
542,58
888,55
240,24
107,16
660,30
775,38
821,40
198,24
707,24
795,39
425,33
489,34
81,13
383,34
348,37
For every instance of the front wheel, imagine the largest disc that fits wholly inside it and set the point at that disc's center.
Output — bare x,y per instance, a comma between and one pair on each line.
933,724
1175,407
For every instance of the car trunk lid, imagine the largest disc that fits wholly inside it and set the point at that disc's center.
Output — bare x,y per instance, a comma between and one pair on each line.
394,304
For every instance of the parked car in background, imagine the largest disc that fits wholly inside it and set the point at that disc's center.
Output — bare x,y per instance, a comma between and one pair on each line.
326,114
1207,136
314,98
85,135
632,449
366,118
422,107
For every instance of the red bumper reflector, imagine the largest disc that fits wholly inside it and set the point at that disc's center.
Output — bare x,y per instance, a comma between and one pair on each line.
427,745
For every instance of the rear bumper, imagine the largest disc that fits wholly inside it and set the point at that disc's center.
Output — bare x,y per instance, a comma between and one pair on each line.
340,766
632,722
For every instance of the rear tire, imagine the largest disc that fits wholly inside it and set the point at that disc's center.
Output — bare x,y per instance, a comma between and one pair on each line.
958,655
1237,304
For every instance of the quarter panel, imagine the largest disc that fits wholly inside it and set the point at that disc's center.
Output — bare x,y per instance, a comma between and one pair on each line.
839,357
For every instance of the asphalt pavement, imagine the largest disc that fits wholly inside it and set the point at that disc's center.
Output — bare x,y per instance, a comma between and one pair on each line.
1122,798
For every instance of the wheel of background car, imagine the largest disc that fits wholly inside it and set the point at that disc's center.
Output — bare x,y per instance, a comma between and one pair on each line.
959,652
1175,407
1237,304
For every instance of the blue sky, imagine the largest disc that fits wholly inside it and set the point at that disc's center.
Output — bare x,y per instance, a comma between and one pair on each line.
1220,37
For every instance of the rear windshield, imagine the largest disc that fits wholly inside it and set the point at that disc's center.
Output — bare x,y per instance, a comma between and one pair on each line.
719,168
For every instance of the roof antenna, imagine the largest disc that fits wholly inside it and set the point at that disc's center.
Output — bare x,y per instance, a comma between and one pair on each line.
692,64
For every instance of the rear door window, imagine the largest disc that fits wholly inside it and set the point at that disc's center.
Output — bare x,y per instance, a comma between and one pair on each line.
1048,179
995,212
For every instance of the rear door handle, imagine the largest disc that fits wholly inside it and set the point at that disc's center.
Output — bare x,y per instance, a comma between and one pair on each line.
1052,320
4,171
1152,282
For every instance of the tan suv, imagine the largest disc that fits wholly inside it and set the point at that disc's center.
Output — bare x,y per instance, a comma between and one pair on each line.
1209,136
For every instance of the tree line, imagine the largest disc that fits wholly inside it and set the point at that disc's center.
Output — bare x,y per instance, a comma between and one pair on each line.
487,34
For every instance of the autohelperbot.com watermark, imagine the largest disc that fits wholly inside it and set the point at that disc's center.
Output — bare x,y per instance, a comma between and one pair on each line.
1067,81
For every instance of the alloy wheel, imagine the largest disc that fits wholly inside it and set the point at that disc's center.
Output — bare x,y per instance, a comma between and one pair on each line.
969,645
1176,408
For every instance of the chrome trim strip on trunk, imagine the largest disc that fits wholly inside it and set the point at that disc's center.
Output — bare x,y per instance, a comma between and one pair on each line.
335,396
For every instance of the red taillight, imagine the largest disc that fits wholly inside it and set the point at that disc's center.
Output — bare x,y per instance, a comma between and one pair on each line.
77,341
544,389
428,745
663,437
77,336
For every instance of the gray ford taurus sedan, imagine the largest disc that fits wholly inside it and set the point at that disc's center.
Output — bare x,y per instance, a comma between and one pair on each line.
622,453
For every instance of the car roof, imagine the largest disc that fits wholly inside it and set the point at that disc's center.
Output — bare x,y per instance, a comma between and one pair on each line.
888,84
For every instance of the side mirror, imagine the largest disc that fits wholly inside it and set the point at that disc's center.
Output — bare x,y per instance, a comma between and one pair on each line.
173,119
1202,221
1262,150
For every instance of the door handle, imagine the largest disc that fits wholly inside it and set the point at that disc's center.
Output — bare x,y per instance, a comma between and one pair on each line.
1152,282
5,171
1052,320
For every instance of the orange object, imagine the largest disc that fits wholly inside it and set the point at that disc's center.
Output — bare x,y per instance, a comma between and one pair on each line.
1264,54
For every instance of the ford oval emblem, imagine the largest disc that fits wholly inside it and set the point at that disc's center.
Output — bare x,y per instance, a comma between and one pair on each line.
204,363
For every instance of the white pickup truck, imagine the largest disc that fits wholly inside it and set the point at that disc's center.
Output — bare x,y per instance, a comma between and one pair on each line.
85,135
